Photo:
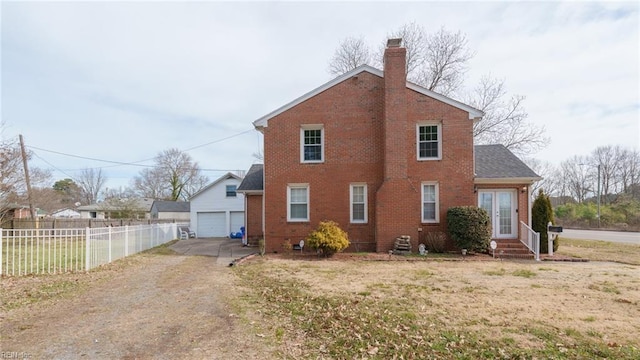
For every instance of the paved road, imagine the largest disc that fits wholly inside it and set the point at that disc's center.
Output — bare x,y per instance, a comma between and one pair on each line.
613,236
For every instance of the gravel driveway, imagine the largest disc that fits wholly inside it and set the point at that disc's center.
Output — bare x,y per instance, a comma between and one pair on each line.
158,307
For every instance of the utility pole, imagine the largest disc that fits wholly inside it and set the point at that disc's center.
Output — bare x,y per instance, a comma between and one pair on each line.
26,178
598,195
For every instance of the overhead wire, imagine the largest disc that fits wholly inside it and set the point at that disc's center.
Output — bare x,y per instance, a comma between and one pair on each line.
134,163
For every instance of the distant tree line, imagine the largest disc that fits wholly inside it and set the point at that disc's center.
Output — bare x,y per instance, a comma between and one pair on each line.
573,186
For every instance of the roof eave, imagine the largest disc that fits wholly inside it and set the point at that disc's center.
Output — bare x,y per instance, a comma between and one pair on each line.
251,192
510,180
263,121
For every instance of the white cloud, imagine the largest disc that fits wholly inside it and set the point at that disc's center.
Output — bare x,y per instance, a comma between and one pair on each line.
123,81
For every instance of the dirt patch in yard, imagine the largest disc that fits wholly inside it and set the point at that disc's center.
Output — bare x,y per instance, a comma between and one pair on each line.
500,309
150,306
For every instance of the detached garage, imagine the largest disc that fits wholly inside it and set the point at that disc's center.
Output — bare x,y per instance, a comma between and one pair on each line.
217,210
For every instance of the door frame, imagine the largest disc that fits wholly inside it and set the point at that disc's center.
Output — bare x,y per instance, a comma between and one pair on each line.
495,234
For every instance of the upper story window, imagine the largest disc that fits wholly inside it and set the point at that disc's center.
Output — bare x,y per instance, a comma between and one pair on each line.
298,202
429,141
312,144
358,193
231,190
430,202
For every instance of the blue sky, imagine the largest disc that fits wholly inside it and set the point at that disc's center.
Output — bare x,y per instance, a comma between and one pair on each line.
122,81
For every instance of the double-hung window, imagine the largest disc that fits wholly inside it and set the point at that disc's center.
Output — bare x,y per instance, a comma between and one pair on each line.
312,144
298,202
430,202
429,141
358,194
231,190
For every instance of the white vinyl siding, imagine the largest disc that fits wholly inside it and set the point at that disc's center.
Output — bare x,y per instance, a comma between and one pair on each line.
430,202
312,144
429,141
298,202
358,203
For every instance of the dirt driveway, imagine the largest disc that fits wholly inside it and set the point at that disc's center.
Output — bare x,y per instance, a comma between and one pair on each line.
156,307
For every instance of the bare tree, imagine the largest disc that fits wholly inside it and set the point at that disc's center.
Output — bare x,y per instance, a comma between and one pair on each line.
151,184
351,53
91,182
438,62
607,159
505,120
629,172
174,176
445,62
545,170
577,179
415,40
11,174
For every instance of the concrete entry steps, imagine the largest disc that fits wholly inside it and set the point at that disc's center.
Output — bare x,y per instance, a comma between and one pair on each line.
512,249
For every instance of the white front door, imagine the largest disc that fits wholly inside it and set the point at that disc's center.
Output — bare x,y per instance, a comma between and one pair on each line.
501,207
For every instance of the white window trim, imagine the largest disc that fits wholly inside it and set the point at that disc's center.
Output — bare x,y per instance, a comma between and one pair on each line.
351,203
311,127
437,190
439,125
297,186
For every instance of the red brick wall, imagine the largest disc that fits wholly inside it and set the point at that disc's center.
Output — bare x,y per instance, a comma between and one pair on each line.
352,113
253,215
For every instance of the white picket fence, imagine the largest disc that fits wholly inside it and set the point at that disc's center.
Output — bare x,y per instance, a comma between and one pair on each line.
50,251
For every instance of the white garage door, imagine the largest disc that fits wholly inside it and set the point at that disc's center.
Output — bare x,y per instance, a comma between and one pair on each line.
212,224
237,220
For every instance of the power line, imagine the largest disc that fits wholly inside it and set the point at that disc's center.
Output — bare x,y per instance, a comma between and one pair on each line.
137,163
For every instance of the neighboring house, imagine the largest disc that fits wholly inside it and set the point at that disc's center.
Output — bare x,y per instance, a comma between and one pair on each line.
21,212
117,209
383,157
252,187
66,213
171,210
218,209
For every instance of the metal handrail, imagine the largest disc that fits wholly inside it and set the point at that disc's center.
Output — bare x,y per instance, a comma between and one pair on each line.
530,239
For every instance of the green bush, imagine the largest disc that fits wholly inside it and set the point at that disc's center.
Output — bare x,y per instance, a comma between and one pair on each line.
469,227
541,216
328,237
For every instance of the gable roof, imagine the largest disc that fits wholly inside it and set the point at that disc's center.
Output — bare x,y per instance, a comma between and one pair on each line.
496,162
171,206
254,181
263,121
226,176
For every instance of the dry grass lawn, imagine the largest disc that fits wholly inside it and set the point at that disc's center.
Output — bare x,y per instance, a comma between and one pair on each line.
445,309
600,250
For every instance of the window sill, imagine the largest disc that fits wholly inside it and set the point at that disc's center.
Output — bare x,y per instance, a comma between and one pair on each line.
430,159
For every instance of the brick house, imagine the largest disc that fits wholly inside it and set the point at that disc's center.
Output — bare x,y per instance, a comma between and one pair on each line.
383,157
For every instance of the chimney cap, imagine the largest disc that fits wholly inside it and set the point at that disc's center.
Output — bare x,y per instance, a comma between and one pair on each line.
394,43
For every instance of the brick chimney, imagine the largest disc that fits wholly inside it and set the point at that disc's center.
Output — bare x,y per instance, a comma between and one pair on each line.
395,213
395,110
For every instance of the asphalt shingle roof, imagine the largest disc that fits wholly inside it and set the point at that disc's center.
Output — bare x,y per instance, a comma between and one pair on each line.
254,179
172,206
497,162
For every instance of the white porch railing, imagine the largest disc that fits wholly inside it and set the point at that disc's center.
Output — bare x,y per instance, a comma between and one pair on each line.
39,251
530,239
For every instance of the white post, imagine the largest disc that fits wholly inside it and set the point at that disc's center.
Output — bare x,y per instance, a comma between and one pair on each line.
109,244
87,255
549,240
126,240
